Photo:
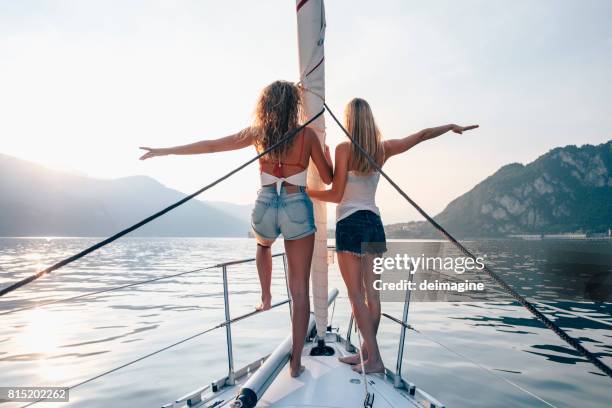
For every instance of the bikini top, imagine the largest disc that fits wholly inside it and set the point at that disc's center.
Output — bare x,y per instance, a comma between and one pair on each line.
298,179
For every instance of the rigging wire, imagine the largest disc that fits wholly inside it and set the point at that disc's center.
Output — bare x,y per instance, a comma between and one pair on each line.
69,299
528,305
488,370
498,279
286,137
541,304
571,312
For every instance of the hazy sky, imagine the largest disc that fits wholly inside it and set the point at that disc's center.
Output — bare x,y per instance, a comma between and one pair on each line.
84,83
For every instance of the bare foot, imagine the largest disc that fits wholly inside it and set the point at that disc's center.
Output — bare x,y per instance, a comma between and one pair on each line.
370,367
351,360
295,367
265,304
296,372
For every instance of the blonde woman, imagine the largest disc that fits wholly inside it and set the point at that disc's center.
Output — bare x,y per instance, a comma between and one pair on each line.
282,206
358,218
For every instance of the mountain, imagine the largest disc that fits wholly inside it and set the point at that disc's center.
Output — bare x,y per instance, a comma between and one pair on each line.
35,201
239,211
568,189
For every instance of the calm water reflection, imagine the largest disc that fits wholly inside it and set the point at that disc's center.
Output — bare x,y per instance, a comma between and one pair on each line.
68,342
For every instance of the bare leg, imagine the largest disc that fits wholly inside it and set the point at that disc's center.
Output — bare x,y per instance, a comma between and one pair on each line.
355,359
351,269
372,302
264,270
299,258
372,295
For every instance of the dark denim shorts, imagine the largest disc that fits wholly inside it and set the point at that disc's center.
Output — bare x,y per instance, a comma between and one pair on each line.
360,233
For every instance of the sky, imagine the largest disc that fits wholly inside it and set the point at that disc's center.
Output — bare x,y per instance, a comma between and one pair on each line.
84,83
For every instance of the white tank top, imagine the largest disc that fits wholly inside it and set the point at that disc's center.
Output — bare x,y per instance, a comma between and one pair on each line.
359,194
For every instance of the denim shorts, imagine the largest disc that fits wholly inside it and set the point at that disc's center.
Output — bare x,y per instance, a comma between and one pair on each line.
289,214
360,233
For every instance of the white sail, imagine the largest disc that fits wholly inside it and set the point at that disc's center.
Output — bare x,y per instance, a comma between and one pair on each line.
311,35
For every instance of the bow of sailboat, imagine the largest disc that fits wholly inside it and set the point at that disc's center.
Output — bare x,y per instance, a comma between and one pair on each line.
326,382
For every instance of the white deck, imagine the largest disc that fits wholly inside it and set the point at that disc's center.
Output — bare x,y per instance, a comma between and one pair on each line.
328,383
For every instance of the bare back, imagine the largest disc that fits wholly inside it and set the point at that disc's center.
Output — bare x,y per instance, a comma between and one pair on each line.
296,158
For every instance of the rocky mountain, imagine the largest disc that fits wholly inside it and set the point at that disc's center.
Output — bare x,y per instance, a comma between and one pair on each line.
568,189
35,201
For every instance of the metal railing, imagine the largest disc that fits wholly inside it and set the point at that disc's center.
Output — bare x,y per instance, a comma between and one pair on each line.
231,376
195,397
397,380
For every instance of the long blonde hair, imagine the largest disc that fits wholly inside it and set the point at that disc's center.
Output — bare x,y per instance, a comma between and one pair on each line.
278,110
359,121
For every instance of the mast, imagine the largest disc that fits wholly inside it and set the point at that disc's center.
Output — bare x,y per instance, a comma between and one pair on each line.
311,35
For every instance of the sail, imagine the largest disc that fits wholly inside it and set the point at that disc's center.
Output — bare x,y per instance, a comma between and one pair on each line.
311,35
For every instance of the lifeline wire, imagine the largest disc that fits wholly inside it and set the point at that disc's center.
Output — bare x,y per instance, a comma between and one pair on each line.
529,306
112,370
114,288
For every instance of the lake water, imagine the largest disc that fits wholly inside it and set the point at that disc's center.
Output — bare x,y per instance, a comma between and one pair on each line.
65,343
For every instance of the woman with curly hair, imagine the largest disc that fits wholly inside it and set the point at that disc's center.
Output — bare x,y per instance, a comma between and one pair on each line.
282,205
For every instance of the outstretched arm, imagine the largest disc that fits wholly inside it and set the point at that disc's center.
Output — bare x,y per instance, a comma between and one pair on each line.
232,142
397,146
335,193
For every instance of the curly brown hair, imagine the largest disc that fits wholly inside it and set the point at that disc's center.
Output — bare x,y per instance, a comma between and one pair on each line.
278,110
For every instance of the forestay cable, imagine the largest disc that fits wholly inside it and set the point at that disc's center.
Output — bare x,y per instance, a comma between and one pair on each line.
286,137
541,304
524,302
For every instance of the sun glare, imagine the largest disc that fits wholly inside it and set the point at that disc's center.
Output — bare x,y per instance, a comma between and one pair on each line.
40,338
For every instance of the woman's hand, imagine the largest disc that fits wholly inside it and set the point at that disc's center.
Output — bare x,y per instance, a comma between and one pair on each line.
398,146
461,129
151,152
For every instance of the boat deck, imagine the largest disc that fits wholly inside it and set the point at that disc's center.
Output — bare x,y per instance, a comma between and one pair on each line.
328,383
